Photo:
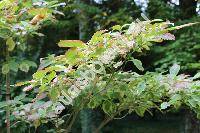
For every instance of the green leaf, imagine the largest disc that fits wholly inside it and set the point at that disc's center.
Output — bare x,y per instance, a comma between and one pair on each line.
140,111
193,103
5,4
13,65
71,43
138,64
30,63
5,69
51,76
72,56
24,67
198,115
196,98
108,107
141,87
10,43
43,88
22,83
3,104
54,94
97,37
117,27
164,105
175,98
42,112
92,104
38,11
4,33
22,47
46,62
197,76
20,97
39,74
174,70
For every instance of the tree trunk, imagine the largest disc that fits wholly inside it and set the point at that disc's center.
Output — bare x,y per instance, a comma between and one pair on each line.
83,22
86,115
188,8
87,124
192,125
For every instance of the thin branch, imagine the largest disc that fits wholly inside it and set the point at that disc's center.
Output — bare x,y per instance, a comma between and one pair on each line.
106,120
7,94
72,121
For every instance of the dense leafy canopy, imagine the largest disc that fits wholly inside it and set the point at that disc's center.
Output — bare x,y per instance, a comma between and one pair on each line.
96,69
109,73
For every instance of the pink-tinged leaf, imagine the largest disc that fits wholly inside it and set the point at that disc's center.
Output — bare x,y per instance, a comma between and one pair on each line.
72,43
168,36
28,88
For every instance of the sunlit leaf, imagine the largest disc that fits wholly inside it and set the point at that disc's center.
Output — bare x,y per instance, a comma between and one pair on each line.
5,4
117,27
39,74
72,56
22,83
51,76
37,19
38,11
71,43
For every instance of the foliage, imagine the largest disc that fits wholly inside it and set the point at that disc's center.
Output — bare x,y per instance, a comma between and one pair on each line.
186,45
184,50
113,86
96,70
19,21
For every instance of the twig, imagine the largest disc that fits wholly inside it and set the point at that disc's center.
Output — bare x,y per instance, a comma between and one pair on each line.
106,120
103,124
72,122
7,95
